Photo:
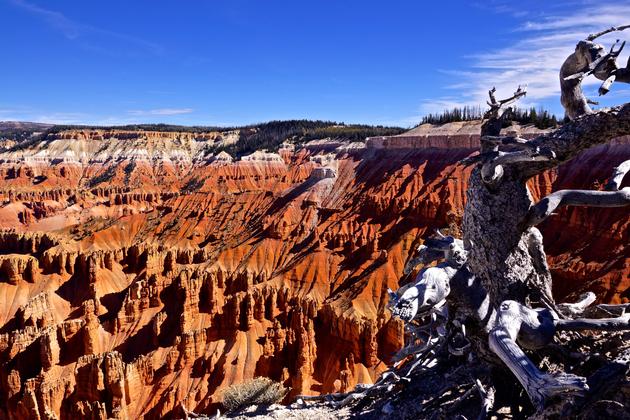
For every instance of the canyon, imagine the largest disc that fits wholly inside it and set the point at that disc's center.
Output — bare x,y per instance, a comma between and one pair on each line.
142,273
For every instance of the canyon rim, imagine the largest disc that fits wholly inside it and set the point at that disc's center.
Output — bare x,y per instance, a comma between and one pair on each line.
151,264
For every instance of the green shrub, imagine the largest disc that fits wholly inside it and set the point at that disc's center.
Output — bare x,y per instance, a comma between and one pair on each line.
258,391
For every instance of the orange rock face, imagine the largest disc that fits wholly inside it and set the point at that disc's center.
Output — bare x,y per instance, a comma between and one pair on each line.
140,275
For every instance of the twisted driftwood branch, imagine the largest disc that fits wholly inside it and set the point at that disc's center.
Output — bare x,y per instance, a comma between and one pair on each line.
548,205
496,115
619,174
487,399
535,328
515,142
511,319
573,137
595,65
432,285
603,324
618,309
496,107
577,308
492,171
596,35
590,58
430,288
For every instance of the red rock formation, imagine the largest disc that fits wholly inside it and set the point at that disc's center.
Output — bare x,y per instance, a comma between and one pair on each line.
158,277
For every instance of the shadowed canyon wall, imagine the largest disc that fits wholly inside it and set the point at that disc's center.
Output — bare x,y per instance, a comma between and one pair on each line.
139,273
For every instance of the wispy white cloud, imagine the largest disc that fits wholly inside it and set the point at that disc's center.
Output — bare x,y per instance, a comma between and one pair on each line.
7,112
501,6
69,28
82,118
11,111
60,118
88,36
534,59
25,113
160,111
589,16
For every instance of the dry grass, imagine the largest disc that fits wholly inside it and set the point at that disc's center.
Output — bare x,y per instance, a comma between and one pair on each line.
258,391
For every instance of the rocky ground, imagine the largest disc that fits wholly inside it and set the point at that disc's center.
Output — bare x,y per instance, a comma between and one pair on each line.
293,412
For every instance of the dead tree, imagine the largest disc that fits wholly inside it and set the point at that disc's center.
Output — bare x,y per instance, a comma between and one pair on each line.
505,301
488,303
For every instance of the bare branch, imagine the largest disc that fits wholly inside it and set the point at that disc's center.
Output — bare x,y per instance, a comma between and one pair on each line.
603,324
505,141
572,309
594,36
582,133
539,386
548,205
619,174
596,65
493,99
471,160
606,311
431,286
605,87
189,414
492,171
487,399
516,321
520,92
495,116
528,155
589,58
498,107
493,158
614,309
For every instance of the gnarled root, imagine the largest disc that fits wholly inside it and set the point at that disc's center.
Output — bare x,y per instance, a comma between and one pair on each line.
511,319
536,328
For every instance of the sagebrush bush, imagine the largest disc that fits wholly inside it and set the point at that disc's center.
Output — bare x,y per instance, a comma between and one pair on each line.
258,391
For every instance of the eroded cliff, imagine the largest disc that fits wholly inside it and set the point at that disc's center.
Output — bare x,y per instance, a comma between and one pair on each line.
141,272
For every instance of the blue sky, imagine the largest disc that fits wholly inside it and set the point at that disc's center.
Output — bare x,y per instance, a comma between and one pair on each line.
231,62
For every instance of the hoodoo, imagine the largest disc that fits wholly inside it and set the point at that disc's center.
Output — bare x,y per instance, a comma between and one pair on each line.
476,265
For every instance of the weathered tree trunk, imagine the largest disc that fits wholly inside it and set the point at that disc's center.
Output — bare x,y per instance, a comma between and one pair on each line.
509,261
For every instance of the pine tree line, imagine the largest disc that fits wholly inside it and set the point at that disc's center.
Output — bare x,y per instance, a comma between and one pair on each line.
270,135
541,118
